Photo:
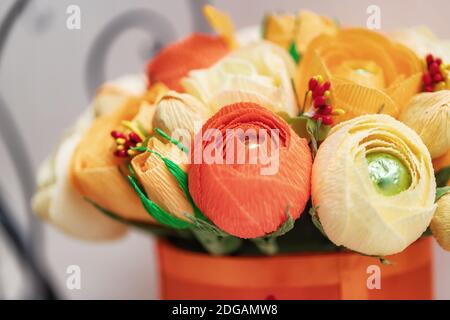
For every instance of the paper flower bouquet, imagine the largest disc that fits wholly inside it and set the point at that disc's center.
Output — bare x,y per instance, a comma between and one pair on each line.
300,152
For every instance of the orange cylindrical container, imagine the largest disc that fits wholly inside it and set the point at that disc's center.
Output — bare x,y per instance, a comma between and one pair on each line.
189,275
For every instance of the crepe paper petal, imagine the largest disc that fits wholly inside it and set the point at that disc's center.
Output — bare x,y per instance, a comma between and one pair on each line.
310,66
351,210
422,41
440,224
402,91
397,69
180,115
115,93
155,211
58,202
260,72
222,25
280,29
429,115
268,244
237,198
161,187
310,25
155,92
358,100
174,62
94,168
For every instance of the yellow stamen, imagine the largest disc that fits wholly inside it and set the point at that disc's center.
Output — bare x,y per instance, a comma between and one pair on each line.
440,86
338,112
319,79
120,147
131,152
120,140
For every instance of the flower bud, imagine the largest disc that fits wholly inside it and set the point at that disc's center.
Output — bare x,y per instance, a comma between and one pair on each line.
429,115
440,224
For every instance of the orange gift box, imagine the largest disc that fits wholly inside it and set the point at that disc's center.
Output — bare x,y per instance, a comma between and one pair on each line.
192,275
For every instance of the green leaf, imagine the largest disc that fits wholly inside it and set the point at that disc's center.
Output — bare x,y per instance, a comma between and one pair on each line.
311,128
174,141
294,52
317,133
268,244
155,211
442,177
441,192
298,124
217,245
315,220
147,227
214,240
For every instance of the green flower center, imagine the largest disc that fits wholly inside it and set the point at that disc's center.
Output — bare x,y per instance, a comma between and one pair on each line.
388,174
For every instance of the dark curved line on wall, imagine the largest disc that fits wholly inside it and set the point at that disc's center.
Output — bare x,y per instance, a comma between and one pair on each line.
148,20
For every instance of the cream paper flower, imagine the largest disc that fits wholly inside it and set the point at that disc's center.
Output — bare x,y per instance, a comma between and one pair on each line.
440,224
422,41
429,115
56,198
259,72
58,201
373,185
180,115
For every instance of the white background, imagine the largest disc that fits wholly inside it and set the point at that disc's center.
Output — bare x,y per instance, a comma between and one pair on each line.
42,81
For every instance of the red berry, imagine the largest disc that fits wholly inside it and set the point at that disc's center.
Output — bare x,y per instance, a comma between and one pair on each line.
116,134
327,120
438,77
430,59
134,137
326,109
121,153
438,61
318,91
326,86
319,101
428,88
312,84
426,78
434,68
317,116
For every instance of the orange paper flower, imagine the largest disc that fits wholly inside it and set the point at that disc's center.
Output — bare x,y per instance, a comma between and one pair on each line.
238,197
94,169
197,51
369,73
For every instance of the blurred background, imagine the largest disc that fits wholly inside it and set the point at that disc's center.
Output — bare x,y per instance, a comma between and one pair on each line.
48,74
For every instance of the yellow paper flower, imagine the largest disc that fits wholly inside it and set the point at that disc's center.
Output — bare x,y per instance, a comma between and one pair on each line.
368,72
180,115
440,224
95,170
56,199
159,184
429,115
302,28
115,93
373,185
260,72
